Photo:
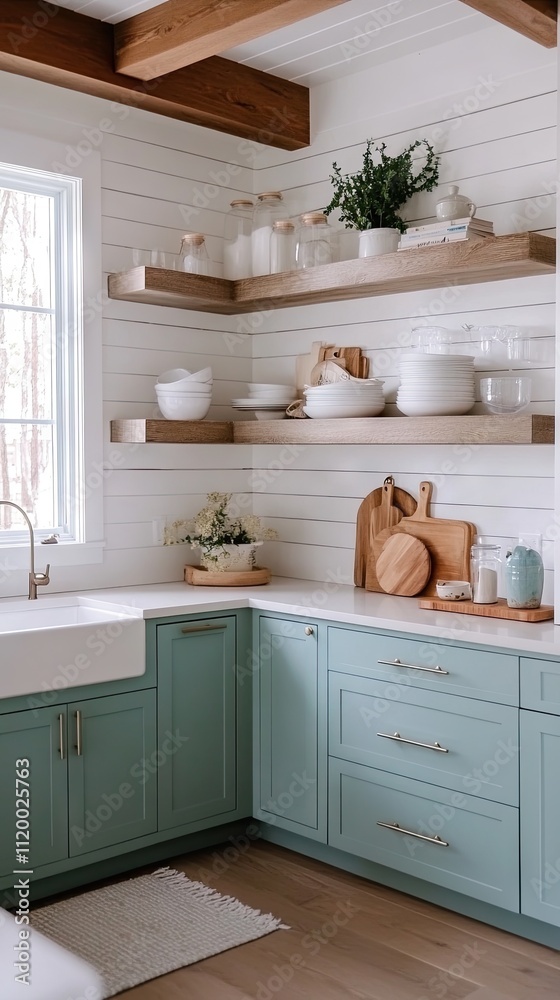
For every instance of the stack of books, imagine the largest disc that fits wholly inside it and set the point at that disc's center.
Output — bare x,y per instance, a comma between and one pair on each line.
437,233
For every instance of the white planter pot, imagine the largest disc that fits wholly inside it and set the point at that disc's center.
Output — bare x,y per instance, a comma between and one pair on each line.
230,558
374,242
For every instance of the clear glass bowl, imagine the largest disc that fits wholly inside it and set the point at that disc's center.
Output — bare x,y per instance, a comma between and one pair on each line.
505,395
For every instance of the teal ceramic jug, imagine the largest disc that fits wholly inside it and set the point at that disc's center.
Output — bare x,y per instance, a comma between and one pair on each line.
524,575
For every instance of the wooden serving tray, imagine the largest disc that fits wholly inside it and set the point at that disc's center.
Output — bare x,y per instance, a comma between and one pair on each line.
499,610
197,576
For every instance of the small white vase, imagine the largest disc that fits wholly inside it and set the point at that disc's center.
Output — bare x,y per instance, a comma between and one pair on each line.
230,558
374,242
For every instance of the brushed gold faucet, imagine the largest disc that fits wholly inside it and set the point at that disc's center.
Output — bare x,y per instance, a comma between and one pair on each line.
35,579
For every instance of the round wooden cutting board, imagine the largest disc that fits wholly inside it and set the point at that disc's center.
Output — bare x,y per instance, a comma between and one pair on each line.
404,566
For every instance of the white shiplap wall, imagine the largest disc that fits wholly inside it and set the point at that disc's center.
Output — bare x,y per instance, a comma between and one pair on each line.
489,106
154,172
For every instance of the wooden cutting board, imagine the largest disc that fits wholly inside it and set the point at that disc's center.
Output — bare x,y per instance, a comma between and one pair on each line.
351,355
404,566
401,499
448,542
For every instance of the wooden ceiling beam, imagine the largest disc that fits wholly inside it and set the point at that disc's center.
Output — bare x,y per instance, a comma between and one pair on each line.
536,19
181,32
58,46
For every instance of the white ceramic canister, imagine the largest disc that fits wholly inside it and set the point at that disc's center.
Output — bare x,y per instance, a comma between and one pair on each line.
454,205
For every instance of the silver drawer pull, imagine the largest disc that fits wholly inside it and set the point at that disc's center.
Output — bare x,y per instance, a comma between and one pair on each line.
202,628
413,743
61,736
410,833
414,666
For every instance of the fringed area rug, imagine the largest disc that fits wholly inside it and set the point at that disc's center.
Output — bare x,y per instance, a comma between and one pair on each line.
144,927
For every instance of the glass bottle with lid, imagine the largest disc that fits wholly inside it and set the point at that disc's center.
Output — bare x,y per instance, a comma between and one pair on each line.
485,573
314,245
238,227
282,246
267,210
194,255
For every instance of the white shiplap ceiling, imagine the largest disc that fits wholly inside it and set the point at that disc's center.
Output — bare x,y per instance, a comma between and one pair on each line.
355,36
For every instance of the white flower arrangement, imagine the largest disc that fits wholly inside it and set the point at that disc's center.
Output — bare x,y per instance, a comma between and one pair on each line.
214,527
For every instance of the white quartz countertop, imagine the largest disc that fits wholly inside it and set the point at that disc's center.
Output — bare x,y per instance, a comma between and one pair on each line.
337,603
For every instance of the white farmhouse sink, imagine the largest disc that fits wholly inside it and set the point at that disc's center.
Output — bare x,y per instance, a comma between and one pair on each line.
57,643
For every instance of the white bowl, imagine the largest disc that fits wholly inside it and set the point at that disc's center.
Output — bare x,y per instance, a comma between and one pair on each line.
454,590
174,375
413,408
203,393
270,414
180,407
332,410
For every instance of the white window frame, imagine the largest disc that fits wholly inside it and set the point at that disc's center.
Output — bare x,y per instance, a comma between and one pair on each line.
34,153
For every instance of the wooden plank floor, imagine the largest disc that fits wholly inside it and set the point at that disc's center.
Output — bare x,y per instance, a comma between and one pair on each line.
349,938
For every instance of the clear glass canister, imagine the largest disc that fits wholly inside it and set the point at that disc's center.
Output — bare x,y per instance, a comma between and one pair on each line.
282,246
268,209
238,227
314,246
485,573
194,255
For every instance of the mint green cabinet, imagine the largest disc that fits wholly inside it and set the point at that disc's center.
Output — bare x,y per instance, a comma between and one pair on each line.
540,816
39,738
290,716
197,721
112,770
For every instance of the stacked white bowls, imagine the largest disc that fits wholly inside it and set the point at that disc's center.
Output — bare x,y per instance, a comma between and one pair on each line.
184,395
435,384
347,398
267,400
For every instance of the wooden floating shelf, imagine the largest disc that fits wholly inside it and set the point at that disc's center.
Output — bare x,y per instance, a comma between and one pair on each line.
514,429
495,259
172,431
522,428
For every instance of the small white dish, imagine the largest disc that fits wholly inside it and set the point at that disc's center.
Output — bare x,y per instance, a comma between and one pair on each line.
454,590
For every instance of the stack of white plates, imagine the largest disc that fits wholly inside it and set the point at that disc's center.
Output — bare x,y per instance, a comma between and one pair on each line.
435,384
268,400
356,398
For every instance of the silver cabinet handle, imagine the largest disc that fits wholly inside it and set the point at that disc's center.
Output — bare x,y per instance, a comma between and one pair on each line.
78,743
202,628
413,743
410,833
61,736
414,666
308,630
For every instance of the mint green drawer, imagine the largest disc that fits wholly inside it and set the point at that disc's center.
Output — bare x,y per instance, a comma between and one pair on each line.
467,745
481,858
462,670
540,685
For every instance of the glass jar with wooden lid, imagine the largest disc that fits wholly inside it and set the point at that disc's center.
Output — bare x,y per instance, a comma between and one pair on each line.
314,244
194,255
282,246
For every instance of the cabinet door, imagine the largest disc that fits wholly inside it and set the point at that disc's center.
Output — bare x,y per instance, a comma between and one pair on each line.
540,816
288,726
33,741
112,770
197,722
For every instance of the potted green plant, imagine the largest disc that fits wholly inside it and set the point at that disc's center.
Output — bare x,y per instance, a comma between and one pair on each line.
227,541
370,199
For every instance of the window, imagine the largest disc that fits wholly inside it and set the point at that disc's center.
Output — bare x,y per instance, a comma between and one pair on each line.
52,295
40,350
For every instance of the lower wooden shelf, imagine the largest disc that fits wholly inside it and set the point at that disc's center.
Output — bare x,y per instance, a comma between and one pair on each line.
521,428
518,428
172,431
